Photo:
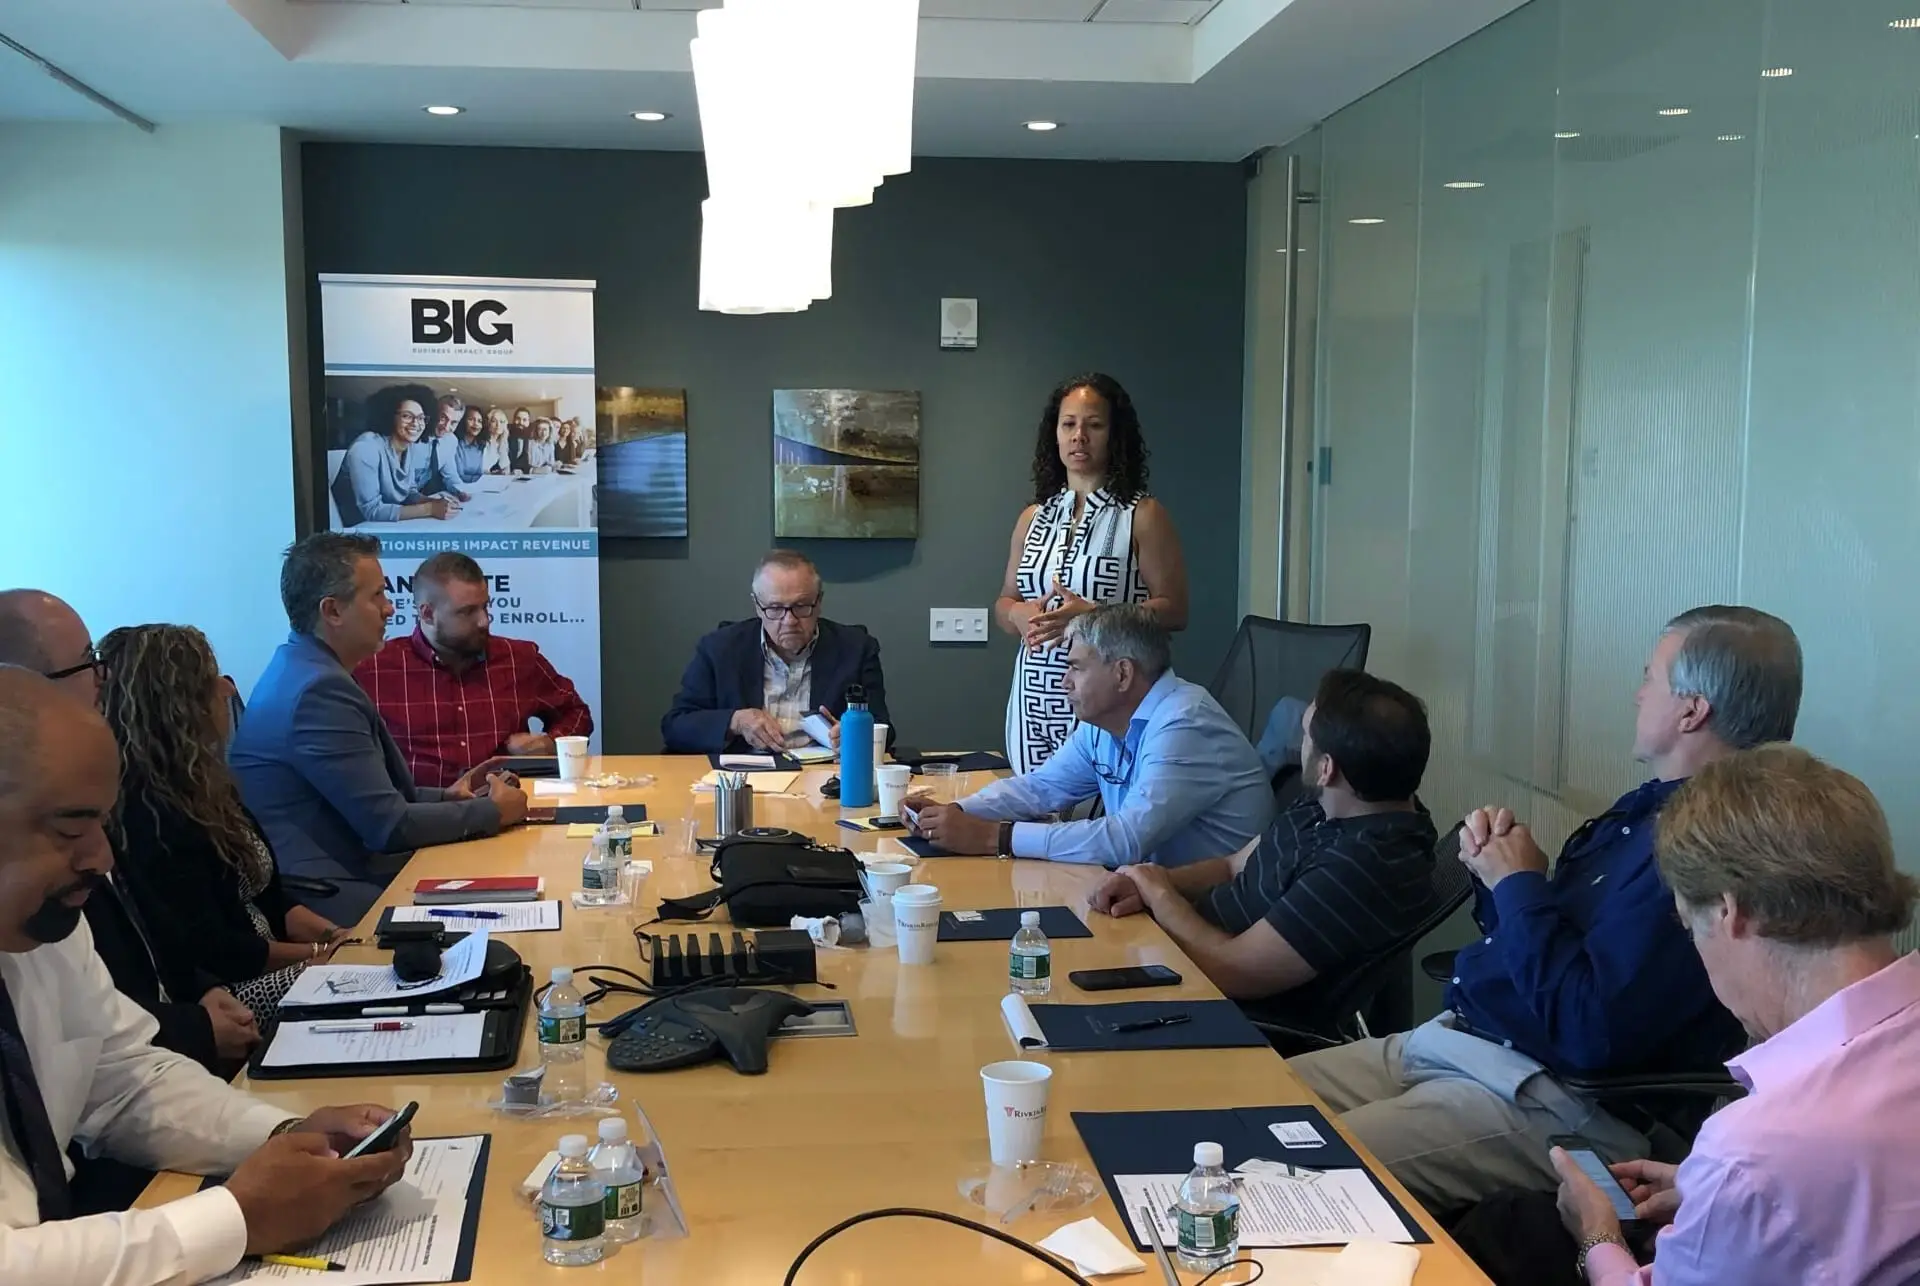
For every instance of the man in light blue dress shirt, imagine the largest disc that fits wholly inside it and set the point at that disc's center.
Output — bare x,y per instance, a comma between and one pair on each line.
1179,780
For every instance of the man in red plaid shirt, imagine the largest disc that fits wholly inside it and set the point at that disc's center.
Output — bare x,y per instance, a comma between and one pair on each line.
452,694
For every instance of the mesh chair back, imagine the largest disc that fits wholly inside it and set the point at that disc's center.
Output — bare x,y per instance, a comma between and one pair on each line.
1354,994
1272,659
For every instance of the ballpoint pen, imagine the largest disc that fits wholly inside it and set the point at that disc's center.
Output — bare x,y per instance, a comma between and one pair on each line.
469,915
300,1261
1148,1024
331,1029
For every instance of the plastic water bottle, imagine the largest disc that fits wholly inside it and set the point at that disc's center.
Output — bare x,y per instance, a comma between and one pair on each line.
1208,1213
1030,963
573,1209
563,1040
619,835
617,1165
856,751
600,873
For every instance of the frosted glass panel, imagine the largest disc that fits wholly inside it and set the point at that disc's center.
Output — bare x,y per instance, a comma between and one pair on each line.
1370,225
1832,537
1667,353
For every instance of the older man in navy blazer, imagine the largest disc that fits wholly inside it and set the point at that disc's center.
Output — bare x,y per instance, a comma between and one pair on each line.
315,761
751,683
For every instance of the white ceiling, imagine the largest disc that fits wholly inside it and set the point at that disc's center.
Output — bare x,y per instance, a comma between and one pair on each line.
1127,79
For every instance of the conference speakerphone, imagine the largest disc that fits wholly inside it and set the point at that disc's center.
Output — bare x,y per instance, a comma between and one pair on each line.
779,956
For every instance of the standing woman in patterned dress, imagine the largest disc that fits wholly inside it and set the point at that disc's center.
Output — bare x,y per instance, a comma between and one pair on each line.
1092,535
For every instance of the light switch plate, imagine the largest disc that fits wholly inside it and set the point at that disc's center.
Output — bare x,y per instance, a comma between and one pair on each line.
957,625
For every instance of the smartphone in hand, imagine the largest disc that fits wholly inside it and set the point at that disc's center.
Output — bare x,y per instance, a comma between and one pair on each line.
1594,1168
387,1134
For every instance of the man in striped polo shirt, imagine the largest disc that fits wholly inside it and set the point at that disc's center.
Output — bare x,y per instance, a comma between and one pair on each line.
1339,876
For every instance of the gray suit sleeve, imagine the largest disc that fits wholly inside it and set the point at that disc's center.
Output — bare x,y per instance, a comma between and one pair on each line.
335,752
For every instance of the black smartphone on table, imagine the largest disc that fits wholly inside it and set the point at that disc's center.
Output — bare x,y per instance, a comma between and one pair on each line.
1594,1168
386,1134
1123,978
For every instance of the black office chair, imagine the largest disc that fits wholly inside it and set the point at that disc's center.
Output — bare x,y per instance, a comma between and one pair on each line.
1376,995
1271,659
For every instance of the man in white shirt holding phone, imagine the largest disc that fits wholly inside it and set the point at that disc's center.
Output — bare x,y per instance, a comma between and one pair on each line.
77,1065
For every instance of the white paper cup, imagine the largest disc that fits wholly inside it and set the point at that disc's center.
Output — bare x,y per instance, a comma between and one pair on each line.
884,879
880,731
916,922
573,757
894,779
1016,1109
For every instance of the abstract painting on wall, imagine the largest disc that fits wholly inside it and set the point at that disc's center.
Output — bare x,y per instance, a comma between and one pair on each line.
846,464
643,461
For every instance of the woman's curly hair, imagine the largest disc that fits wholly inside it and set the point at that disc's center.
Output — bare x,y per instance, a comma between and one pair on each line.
1126,448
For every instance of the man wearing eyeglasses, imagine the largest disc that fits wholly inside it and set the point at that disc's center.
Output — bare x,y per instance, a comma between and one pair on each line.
751,684
1180,781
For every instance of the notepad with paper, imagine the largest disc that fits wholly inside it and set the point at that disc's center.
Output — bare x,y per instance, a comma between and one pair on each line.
422,1229
360,984
1143,1156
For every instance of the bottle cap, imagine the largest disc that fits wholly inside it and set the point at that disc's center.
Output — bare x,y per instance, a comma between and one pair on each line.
1029,919
1208,1154
615,813
561,976
613,1129
856,697
573,1145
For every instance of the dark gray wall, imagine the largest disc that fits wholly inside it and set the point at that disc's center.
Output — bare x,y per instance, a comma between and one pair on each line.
1135,269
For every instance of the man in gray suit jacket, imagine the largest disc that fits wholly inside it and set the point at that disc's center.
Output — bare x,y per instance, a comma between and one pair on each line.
314,759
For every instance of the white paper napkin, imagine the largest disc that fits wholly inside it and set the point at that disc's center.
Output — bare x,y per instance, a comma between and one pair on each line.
1375,1263
1093,1250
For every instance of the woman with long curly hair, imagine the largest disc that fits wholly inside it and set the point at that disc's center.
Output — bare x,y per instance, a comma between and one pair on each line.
1092,535
190,854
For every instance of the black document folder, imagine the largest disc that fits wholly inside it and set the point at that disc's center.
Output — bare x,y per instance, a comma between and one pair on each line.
924,848
594,814
1001,923
505,1007
962,761
1211,1024
781,762
1162,1143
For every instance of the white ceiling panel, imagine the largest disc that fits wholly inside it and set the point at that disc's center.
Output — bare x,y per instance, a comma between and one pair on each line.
1010,10
1184,12
537,4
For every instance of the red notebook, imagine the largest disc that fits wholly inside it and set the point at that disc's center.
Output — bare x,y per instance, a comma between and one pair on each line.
491,888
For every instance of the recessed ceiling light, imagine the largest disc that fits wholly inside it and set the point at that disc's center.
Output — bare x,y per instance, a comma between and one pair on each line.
1676,111
1905,24
1041,127
1777,73
443,110
651,117
1731,138
1567,134
1366,222
1464,185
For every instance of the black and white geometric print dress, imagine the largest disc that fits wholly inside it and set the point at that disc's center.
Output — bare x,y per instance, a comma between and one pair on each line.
1096,559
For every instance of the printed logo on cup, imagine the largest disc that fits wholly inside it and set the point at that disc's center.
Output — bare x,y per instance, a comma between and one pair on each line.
1015,1114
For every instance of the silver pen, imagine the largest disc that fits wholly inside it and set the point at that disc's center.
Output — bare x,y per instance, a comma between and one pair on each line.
1159,1247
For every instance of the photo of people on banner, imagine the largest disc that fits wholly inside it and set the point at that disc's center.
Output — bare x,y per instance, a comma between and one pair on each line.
486,453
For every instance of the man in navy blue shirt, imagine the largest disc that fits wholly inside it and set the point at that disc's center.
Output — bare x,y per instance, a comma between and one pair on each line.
1584,971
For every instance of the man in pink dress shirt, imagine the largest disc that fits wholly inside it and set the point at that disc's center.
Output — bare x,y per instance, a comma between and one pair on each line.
1782,868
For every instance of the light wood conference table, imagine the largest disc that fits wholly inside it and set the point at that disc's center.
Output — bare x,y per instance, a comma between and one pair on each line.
891,1117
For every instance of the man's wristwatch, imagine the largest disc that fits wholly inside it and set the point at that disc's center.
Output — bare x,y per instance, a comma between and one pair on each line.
285,1127
1004,848
1587,1245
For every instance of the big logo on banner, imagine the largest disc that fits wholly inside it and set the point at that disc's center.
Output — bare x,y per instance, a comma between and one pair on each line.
460,415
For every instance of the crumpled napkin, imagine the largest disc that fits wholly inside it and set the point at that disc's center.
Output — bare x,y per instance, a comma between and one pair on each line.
825,930
1093,1251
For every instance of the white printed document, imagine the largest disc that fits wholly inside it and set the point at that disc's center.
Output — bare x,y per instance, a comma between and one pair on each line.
359,984
376,1040
763,783
409,1233
1333,1209
494,917
544,787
